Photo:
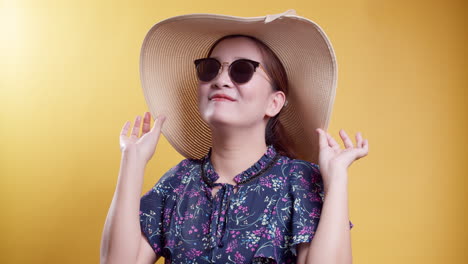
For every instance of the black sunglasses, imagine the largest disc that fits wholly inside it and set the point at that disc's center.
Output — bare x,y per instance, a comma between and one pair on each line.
240,71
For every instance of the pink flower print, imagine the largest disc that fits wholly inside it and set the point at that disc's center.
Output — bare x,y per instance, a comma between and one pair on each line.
231,245
171,243
234,233
179,189
205,228
304,183
315,197
181,219
315,213
278,237
260,231
238,257
193,253
194,194
306,230
243,208
156,248
167,216
193,229
265,182
278,232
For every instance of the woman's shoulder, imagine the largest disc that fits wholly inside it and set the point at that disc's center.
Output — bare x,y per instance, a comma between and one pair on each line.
300,165
174,176
186,164
303,179
300,170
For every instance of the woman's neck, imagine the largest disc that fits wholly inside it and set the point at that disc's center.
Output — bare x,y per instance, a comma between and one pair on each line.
235,151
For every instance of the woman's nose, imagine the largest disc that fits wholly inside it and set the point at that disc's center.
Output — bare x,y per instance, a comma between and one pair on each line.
223,78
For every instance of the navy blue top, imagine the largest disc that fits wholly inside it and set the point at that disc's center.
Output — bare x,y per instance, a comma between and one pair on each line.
276,206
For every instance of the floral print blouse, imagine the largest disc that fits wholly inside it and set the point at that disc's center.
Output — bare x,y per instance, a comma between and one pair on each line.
274,206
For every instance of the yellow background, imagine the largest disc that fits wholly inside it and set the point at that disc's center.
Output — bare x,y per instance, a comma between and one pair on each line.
69,79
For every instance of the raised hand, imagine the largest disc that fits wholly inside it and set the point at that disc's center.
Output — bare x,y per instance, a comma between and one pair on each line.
332,158
144,145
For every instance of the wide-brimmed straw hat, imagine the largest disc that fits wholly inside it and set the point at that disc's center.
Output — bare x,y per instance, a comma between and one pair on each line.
169,79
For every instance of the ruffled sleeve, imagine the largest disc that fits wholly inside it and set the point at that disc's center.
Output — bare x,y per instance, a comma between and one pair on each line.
152,205
307,193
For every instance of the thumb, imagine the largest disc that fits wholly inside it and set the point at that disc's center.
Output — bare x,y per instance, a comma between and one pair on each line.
158,122
322,138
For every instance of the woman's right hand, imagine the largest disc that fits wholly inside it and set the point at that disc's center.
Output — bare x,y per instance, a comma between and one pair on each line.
145,145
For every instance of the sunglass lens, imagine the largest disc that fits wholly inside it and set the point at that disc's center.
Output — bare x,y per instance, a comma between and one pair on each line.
241,71
207,69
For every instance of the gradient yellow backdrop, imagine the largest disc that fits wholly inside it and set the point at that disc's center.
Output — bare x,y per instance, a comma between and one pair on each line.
69,80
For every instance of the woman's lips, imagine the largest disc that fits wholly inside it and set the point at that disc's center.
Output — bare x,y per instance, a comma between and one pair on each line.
221,99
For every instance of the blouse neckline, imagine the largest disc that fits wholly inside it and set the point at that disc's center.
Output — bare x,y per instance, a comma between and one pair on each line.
269,158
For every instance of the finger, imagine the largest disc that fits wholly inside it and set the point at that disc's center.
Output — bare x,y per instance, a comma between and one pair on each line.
322,138
163,119
364,150
366,145
124,130
346,140
146,123
136,127
158,123
359,142
332,142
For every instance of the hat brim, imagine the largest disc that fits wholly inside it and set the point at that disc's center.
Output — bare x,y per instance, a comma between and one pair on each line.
169,81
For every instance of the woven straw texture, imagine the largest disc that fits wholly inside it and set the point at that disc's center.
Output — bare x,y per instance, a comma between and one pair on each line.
170,83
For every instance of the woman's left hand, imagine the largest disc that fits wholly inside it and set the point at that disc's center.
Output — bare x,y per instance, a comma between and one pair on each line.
333,160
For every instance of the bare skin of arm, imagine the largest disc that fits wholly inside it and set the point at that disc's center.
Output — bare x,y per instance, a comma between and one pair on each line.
332,240
122,240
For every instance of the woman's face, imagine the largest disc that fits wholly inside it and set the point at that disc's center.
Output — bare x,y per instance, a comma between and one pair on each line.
253,102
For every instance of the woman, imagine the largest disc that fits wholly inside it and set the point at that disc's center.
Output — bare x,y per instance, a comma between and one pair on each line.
249,199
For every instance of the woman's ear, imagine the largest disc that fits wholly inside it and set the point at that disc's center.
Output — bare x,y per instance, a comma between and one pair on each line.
276,103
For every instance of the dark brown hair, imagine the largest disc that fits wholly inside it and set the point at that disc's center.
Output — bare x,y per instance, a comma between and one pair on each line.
274,132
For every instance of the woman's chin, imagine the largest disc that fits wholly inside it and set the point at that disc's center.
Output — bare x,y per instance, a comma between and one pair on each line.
219,121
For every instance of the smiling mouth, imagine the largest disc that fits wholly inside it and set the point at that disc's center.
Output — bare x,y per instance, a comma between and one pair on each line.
221,99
